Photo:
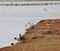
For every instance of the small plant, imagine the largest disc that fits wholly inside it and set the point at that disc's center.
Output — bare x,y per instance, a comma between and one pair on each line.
34,37
42,36
26,32
41,21
49,32
32,27
23,38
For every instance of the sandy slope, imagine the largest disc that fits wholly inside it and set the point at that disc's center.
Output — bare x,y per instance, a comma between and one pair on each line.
44,36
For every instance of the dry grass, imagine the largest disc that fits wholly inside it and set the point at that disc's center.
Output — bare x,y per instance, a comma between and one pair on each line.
47,43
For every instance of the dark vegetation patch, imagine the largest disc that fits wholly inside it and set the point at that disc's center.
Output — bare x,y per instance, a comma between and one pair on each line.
26,32
47,32
42,36
34,37
23,38
41,21
32,27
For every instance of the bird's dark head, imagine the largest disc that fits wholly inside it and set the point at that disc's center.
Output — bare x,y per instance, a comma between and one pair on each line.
15,38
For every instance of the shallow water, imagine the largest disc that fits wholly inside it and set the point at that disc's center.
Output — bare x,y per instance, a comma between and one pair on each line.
14,18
